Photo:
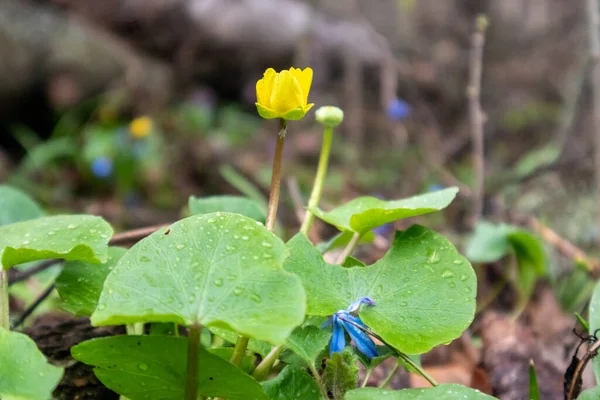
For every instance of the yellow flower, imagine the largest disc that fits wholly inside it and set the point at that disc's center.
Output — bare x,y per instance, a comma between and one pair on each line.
284,94
140,127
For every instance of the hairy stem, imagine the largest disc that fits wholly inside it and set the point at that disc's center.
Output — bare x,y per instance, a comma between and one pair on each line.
319,381
276,177
262,370
315,196
191,380
242,343
349,249
4,312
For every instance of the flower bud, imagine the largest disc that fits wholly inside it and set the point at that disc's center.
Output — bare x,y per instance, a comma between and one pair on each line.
330,116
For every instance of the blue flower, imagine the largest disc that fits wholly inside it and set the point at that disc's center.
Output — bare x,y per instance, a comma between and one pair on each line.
343,320
398,109
102,167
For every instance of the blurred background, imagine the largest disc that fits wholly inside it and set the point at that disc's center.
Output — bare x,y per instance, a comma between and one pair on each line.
125,108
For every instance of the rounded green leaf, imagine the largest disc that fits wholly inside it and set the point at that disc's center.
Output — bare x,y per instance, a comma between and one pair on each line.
489,242
366,213
71,237
139,366
80,283
442,392
423,288
24,371
212,269
232,204
594,319
308,342
16,206
292,383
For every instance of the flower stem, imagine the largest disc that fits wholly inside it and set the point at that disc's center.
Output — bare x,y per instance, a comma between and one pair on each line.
418,368
319,381
242,343
390,376
239,351
4,313
349,248
276,177
367,376
191,380
315,196
262,370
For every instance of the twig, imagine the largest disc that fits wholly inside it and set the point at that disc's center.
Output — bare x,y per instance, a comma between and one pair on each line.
134,235
589,354
476,117
23,275
33,306
594,43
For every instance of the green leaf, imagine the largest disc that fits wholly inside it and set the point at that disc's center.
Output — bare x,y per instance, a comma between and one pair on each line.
292,383
135,366
590,394
16,206
489,242
212,269
534,390
341,373
232,204
366,213
353,262
450,391
384,352
423,288
24,372
342,239
594,320
257,346
308,342
71,237
80,283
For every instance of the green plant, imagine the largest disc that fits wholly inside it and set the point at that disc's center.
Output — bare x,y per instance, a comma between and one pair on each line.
229,280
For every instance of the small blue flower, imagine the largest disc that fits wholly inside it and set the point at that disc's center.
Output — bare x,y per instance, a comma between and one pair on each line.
102,167
343,320
398,109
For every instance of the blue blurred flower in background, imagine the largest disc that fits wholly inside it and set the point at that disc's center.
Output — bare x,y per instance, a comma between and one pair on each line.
398,109
343,320
102,167
435,187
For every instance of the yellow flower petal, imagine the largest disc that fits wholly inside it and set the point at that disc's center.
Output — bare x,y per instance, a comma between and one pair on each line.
304,78
287,94
264,87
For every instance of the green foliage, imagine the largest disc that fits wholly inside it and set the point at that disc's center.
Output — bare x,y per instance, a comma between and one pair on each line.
136,365
212,269
590,394
72,237
423,288
341,373
232,204
308,342
16,206
594,320
534,390
441,392
24,371
342,239
365,213
491,242
292,383
80,283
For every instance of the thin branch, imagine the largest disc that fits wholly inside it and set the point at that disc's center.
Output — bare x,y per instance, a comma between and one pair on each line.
33,306
20,276
587,357
476,117
594,43
134,235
